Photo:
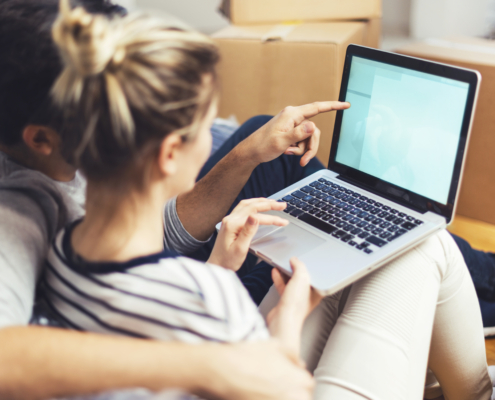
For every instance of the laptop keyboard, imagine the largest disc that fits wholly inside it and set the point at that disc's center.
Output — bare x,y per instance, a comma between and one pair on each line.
357,220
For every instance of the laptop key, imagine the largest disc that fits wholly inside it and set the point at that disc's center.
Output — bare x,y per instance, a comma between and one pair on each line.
376,241
409,218
320,204
401,231
322,180
355,220
384,225
340,214
393,228
347,208
383,214
313,201
393,211
369,218
346,238
408,225
314,192
320,214
362,214
362,224
326,217
307,208
356,231
376,221
340,224
314,210
307,198
351,243
289,209
333,221
339,234
385,235
386,208
376,231
298,194
317,223
306,189
326,189
418,222
313,184
402,215
347,217
363,235
368,251
287,198
296,213
348,228
368,228
294,202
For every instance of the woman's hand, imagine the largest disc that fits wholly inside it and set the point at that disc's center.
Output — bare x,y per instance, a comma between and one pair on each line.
297,300
239,228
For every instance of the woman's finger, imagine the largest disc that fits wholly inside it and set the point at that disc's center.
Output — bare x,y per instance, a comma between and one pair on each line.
247,233
278,281
265,219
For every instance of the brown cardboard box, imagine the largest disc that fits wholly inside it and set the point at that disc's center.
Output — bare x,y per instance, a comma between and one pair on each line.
271,11
477,197
265,68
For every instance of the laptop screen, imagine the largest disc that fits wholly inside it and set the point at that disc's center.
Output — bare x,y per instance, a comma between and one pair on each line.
403,126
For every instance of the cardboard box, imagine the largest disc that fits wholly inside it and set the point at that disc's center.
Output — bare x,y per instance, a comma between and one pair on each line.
271,11
265,68
477,197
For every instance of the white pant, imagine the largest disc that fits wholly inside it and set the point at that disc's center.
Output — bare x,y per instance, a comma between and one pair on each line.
379,347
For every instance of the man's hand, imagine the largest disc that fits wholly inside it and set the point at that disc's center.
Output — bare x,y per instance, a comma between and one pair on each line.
259,371
239,228
290,132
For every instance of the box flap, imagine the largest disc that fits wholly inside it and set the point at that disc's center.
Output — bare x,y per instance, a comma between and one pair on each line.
462,49
318,32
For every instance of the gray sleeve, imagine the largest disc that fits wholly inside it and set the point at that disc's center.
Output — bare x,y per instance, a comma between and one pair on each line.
176,237
28,222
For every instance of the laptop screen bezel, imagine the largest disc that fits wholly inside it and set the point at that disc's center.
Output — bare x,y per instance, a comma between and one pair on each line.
383,188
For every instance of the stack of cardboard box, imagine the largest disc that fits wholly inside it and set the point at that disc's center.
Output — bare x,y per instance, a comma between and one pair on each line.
477,197
290,52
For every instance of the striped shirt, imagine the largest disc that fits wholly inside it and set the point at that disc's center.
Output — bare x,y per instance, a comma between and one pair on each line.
160,296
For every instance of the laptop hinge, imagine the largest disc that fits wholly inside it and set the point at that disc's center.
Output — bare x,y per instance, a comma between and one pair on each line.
381,194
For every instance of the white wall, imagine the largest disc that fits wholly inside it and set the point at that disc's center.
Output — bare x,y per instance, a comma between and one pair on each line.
200,14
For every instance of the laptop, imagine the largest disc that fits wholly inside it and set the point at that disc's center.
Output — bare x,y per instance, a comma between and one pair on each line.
393,175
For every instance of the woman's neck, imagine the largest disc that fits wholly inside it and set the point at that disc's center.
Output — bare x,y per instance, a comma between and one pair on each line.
119,227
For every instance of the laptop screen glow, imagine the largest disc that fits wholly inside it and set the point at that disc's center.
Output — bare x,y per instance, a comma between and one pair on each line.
403,126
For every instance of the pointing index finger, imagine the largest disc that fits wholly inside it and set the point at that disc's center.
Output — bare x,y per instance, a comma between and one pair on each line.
310,110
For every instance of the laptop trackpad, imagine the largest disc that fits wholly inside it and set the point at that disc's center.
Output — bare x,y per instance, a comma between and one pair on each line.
284,243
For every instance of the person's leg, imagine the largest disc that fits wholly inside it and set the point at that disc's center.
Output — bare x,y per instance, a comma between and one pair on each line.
267,179
380,345
481,266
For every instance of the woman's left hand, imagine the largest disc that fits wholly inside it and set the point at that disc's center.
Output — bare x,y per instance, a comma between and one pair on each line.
239,228
297,300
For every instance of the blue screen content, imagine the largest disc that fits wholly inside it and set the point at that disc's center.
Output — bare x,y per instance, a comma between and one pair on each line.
403,126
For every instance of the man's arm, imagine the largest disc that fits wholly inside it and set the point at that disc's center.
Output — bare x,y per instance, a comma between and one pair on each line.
40,363
288,132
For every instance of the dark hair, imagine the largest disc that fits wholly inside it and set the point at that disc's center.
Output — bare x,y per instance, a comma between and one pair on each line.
29,61
127,84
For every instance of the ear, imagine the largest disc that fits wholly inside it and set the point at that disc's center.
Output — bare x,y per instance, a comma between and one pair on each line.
41,139
169,153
